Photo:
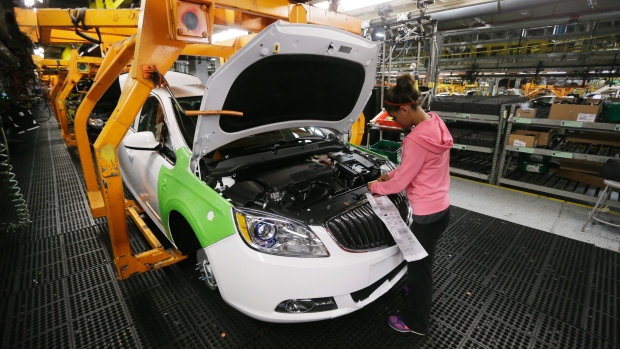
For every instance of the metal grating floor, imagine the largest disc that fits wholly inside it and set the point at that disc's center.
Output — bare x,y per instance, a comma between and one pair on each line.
498,285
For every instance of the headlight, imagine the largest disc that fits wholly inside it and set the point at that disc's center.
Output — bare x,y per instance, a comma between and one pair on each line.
277,235
95,122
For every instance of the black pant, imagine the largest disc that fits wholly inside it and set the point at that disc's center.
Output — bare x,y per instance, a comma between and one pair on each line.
417,312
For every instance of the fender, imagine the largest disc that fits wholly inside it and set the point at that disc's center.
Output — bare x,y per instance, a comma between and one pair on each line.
208,213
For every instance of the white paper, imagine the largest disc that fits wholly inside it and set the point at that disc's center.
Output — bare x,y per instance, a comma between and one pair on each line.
532,168
407,242
519,143
586,117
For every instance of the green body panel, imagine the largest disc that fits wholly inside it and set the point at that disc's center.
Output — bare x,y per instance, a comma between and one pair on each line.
180,190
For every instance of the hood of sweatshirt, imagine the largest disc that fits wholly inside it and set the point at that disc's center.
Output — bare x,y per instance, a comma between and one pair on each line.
433,135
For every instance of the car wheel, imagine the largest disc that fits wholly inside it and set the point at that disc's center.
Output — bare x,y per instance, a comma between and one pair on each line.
186,241
203,266
184,237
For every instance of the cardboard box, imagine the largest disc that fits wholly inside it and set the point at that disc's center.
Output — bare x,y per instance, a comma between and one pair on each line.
543,137
582,178
594,138
526,113
526,140
575,112
583,166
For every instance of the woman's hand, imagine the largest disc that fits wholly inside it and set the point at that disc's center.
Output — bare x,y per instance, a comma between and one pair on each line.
384,178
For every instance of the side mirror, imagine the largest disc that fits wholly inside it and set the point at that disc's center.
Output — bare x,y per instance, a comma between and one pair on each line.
144,140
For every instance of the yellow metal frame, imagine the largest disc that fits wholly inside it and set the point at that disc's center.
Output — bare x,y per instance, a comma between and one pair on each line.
54,26
79,68
154,47
54,71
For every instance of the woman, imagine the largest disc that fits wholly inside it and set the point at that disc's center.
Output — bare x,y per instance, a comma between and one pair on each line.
424,173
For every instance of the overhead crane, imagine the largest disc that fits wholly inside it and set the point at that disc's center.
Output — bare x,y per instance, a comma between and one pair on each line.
53,26
162,35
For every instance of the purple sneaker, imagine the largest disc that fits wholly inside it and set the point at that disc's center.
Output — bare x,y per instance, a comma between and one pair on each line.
397,324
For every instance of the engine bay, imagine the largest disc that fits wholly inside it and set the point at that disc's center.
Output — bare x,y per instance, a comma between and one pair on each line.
306,187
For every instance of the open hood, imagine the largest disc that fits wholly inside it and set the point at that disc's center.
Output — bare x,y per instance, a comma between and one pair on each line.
289,75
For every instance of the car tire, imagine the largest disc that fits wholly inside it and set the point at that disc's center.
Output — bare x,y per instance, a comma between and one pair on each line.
186,241
183,234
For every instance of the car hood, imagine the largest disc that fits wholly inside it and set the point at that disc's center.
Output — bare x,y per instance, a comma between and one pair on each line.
289,75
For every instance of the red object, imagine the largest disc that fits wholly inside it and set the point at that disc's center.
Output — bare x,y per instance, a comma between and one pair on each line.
386,120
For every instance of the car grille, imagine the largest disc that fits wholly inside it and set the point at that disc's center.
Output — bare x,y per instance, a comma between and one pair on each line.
360,228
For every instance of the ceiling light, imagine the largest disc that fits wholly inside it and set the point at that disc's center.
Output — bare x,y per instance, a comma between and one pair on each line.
228,34
377,33
30,3
350,5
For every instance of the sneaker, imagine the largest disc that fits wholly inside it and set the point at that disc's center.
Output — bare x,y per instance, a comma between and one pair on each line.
397,324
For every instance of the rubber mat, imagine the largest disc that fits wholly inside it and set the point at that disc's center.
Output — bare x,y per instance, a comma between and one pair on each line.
497,285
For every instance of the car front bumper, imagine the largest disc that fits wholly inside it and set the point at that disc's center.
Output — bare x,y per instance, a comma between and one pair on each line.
255,283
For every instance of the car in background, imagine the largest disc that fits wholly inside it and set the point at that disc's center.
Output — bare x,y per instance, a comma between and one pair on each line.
543,102
102,110
271,205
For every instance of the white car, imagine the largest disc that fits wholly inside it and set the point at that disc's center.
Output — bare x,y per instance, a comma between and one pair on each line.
272,203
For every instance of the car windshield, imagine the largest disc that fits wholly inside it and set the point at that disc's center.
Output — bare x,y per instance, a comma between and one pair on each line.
187,124
254,143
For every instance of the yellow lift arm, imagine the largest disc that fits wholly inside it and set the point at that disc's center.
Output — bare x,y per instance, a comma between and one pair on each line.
157,46
52,70
79,68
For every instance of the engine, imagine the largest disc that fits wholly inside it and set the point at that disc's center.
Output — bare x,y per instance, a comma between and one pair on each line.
297,186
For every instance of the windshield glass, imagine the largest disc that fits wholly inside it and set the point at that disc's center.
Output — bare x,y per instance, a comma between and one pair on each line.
187,124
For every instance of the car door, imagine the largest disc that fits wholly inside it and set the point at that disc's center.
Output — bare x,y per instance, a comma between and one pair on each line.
143,166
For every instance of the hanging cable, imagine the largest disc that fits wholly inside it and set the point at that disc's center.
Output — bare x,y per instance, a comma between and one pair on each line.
77,17
13,209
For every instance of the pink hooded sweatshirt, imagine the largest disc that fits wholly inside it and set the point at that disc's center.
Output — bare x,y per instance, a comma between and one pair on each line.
424,171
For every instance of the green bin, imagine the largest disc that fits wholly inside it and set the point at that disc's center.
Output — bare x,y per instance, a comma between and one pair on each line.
611,110
388,148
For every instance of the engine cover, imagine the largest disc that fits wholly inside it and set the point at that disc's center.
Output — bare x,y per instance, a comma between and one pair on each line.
280,179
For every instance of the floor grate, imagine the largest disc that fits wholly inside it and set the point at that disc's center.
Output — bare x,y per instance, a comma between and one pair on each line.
497,285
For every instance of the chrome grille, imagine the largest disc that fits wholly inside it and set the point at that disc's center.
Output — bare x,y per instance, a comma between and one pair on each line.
361,229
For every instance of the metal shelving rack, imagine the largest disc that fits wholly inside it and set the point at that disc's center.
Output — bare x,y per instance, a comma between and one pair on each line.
473,157
550,183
